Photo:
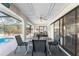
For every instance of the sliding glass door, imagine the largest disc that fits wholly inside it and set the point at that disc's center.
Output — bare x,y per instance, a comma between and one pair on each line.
66,30
77,31
69,32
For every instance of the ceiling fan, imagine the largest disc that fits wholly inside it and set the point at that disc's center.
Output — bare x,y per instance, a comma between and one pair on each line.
42,18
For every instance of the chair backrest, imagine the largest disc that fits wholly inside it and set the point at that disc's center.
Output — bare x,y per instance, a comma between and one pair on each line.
39,45
19,40
56,42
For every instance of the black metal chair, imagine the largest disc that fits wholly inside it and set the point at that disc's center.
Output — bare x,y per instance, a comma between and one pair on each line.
39,48
20,42
55,42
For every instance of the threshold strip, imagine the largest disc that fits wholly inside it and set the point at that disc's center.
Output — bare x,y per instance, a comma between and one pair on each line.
64,50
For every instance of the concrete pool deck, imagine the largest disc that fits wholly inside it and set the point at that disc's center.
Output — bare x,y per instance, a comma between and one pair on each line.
8,47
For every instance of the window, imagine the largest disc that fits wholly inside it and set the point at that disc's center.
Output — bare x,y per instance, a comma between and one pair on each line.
42,28
56,30
69,32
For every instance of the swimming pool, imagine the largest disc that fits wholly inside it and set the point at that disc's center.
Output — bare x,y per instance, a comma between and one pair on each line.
4,40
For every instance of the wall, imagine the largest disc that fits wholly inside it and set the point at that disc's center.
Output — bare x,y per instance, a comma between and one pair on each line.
50,32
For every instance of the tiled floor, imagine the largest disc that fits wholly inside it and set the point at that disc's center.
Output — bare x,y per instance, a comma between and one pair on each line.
19,52
54,50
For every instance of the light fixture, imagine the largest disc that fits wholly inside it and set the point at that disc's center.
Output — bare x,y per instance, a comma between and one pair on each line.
42,19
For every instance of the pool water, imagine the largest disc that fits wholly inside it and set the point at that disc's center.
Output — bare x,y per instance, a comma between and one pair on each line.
4,40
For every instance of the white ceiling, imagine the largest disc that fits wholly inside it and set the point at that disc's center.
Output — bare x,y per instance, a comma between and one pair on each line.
46,10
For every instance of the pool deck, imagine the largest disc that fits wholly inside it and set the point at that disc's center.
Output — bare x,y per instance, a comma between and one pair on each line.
7,48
